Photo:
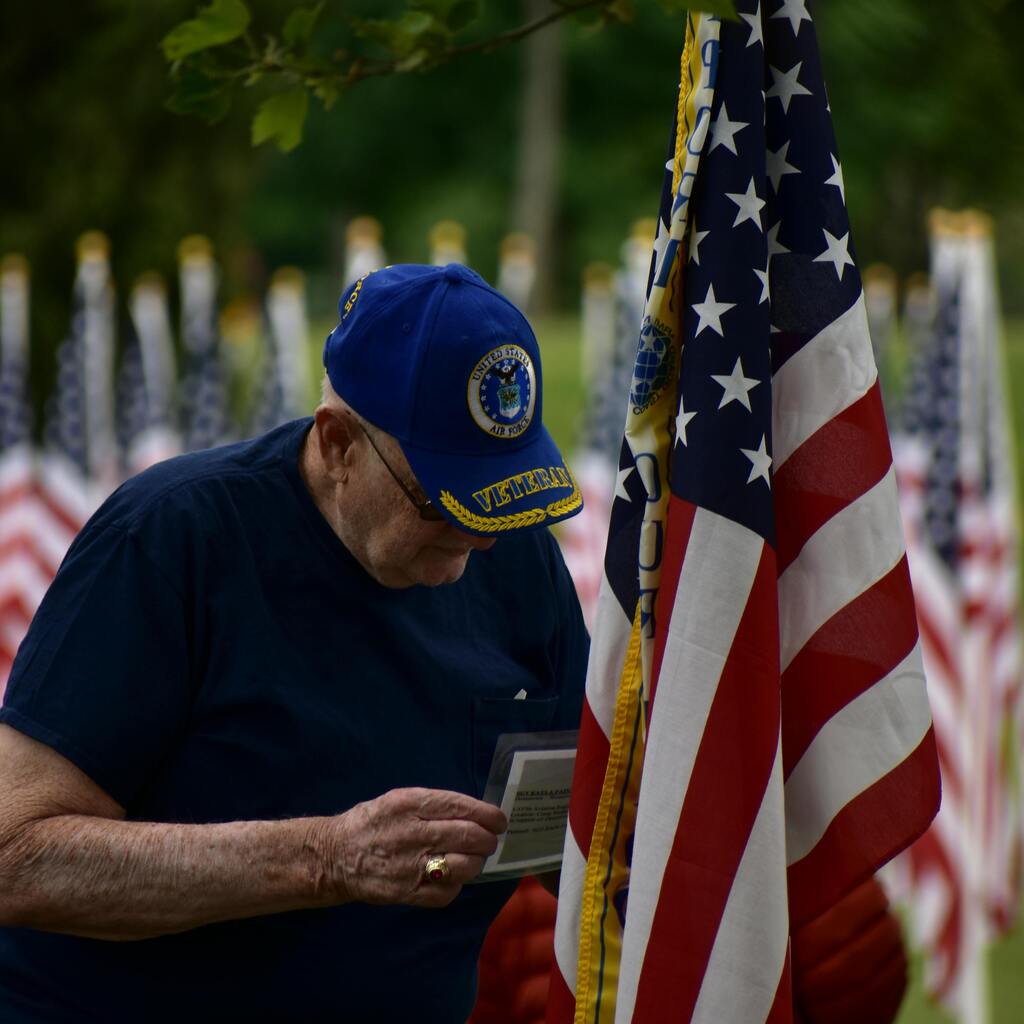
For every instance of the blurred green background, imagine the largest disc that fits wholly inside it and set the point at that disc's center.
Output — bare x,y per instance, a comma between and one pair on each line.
925,94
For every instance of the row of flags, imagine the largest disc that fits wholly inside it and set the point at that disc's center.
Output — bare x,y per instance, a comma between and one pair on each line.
756,739
955,465
517,255
612,304
108,417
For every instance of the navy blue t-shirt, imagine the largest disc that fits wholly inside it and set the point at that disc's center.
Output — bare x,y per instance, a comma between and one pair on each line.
210,652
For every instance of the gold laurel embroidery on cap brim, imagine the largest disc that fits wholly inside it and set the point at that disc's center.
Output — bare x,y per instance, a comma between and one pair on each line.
513,520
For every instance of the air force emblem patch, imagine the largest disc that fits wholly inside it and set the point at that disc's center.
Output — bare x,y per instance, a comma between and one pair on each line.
502,391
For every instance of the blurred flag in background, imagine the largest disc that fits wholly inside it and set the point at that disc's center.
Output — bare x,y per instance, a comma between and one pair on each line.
612,306
204,398
284,382
756,739
955,462
23,580
147,397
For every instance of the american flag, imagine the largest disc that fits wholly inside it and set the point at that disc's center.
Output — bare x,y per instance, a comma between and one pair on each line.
147,380
284,388
46,498
204,395
756,738
79,461
611,308
22,580
958,495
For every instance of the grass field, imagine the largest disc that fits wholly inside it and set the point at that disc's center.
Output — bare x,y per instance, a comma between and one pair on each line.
563,401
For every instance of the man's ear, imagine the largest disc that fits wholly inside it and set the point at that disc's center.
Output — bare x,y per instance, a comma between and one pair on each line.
336,431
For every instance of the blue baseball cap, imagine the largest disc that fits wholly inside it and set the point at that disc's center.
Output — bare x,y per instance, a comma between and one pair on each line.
450,368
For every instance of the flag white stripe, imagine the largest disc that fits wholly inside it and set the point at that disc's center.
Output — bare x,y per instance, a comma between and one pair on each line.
946,710
817,383
859,745
854,549
78,496
16,467
570,907
22,577
749,953
717,573
31,519
607,655
934,588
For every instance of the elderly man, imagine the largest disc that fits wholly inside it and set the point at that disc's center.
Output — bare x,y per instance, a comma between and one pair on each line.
254,715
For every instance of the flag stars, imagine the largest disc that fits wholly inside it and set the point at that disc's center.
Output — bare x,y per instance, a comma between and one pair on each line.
660,244
836,252
723,131
620,484
709,313
736,387
696,237
837,177
682,419
786,85
794,11
762,276
760,463
749,206
754,21
778,167
775,247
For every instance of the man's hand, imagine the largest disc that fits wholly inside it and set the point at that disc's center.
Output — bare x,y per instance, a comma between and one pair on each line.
377,851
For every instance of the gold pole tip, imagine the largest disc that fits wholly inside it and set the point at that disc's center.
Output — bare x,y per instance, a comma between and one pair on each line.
14,264
448,232
597,275
517,243
364,229
195,247
92,245
288,277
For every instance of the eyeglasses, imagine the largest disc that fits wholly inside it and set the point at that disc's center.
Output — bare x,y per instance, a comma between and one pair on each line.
427,509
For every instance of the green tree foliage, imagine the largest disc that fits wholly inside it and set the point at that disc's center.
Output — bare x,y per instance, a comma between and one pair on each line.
417,36
927,98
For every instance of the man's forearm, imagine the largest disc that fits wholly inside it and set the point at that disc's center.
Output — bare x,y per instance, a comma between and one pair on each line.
107,879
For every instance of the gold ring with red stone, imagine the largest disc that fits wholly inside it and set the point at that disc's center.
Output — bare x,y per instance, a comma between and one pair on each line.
437,869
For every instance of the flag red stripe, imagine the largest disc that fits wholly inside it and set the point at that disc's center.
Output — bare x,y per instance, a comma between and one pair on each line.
836,665
836,465
1003,622
722,801
929,857
68,519
15,607
15,492
934,640
949,768
865,834
588,779
782,1006
561,1007
24,544
679,523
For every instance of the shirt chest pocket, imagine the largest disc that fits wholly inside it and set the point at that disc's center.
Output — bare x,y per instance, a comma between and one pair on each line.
495,716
